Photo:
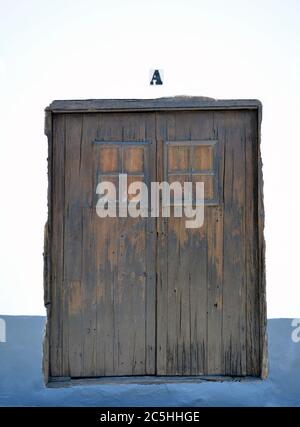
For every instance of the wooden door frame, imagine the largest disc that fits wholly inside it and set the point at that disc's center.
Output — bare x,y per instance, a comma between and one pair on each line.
155,105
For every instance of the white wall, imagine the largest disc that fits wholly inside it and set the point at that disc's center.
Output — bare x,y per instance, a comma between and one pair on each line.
64,49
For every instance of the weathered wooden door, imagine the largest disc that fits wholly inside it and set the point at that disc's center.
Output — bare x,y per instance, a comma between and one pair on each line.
207,291
148,296
103,318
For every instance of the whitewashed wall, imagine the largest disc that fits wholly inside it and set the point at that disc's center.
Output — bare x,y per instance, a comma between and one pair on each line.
66,49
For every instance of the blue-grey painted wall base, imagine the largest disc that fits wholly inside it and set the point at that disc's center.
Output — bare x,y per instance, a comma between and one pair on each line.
21,379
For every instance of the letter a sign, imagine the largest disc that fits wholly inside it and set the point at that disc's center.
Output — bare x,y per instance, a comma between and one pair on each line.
156,78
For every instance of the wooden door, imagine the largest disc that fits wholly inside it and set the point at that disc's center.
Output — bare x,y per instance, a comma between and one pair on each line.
103,297
148,296
207,290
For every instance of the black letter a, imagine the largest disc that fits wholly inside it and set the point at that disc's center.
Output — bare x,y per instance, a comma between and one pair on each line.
156,78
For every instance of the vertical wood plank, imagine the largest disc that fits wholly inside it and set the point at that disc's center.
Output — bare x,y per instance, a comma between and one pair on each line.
72,307
251,247
162,308
234,287
214,227
106,236
57,246
149,133
89,267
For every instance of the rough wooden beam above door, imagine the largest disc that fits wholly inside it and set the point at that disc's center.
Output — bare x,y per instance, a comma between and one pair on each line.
159,104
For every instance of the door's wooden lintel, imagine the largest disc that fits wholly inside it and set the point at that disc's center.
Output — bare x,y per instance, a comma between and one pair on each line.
159,104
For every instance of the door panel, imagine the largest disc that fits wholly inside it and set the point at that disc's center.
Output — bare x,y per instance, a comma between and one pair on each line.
104,315
207,295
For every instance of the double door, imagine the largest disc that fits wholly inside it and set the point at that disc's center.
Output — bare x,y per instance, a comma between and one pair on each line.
147,295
